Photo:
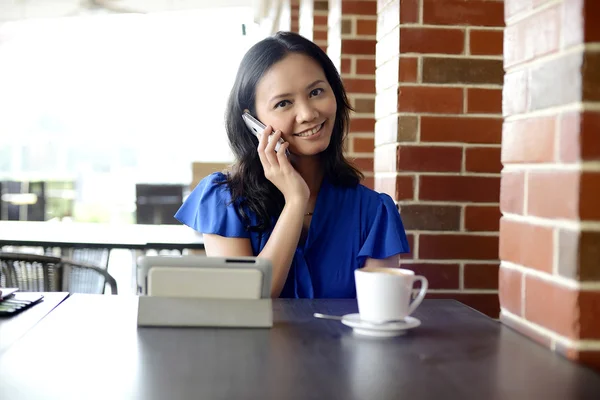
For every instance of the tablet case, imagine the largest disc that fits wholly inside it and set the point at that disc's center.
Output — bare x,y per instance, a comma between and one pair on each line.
194,291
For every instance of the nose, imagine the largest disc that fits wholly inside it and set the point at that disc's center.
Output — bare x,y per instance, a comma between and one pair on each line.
305,112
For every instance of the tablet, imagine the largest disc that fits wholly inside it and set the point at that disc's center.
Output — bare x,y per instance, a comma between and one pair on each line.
204,277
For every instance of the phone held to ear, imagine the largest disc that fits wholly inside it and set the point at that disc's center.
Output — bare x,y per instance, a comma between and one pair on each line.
257,127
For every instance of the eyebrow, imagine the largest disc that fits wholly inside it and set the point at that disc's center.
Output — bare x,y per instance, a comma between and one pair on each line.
289,94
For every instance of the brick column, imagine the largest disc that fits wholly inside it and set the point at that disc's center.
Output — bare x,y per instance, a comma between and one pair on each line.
295,16
352,30
550,196
437,139
313,21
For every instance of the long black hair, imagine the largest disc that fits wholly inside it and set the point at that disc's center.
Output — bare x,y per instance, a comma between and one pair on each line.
246,179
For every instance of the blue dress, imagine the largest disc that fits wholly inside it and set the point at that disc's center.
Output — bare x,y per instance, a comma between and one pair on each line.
349,224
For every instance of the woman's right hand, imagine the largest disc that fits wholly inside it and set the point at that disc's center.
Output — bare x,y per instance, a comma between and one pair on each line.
279,170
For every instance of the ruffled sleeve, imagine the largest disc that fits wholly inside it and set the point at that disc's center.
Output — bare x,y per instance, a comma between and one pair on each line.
385,235
208,209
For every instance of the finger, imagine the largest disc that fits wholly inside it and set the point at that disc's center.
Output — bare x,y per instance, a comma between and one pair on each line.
270,149
262,143
282,158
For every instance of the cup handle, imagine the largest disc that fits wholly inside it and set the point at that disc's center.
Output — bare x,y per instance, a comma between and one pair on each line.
424,285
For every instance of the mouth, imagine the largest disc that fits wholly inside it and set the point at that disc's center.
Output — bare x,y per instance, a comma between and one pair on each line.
311,132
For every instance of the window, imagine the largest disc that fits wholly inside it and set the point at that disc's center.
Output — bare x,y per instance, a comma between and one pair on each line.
113,100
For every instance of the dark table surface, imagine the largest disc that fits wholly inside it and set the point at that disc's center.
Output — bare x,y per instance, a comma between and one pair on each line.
90,348
14,327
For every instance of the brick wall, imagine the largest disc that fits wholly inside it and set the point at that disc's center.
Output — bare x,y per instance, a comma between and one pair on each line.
352,39
295,16
550,197
437,138
313,21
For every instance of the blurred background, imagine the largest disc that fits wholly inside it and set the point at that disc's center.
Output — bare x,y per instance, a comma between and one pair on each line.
105,106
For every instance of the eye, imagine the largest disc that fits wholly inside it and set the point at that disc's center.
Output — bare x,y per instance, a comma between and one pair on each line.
282,104
316,92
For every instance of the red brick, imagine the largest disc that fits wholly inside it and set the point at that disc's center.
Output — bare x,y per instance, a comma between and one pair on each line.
346,65
358,46
459,188
362,125
398,187
428,217
461,70
461,129
366,27
320,20
359,85
529,140
319,35
369,182
482,218
457,247
589,309
484,101
589,195
365,66
553,194
552,306
483,159
526,244
486,42
512,192
359,7
364,164
481,276
430,99
408,69
409,11
432,40
486,303
439,276
460,12
363,145
509,284
591,28
411,244
429,158
579,139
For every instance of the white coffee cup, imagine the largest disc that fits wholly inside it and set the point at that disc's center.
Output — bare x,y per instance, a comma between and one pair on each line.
384,294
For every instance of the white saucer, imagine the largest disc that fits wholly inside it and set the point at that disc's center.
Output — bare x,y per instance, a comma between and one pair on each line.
391,329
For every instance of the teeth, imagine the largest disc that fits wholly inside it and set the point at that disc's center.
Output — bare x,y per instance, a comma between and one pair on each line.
311,132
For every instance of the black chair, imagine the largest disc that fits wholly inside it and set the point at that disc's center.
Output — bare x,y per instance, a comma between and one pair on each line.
37,273
156,204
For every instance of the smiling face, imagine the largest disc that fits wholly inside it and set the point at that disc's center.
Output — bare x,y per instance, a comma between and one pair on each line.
295,97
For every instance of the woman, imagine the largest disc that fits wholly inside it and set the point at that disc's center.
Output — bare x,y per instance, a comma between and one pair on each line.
301,207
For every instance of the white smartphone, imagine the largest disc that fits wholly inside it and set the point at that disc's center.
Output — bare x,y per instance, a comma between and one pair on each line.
257,128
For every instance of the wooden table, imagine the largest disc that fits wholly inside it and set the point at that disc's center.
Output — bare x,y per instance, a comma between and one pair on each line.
90,348
13,328
107,236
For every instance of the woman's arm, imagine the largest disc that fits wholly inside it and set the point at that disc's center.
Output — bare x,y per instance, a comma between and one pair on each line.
390,262
279,249
282,243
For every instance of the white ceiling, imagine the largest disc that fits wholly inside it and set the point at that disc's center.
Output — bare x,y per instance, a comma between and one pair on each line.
11,10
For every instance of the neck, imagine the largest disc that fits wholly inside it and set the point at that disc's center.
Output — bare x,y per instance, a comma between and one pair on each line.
311,170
